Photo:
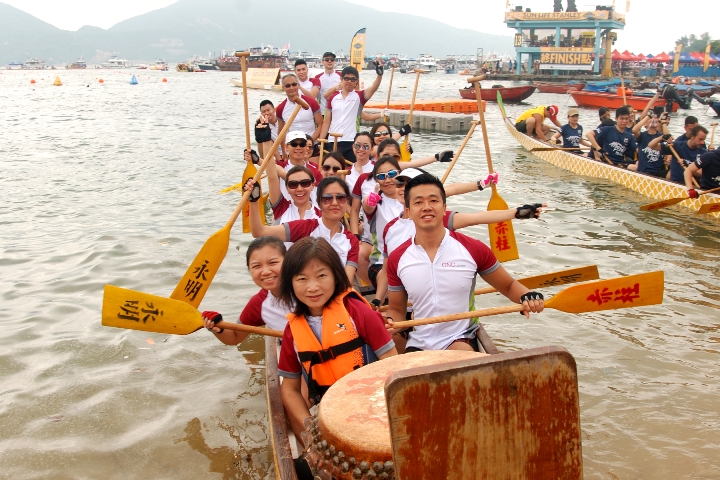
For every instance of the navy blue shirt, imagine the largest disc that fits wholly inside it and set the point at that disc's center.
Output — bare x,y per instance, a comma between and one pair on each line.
649,160
617,145
571,136
710,164
689,155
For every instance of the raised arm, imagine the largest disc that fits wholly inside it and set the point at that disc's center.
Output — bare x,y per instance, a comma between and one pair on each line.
257,228
649,105
637,129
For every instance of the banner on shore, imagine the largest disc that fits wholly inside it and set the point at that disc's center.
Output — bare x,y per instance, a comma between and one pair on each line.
560,58
357,50
706,60
676,61
564,16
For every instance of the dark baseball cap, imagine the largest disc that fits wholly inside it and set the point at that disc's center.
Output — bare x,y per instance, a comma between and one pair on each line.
328,54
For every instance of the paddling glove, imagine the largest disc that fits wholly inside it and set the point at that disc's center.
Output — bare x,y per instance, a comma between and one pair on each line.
527,211
262,133
405,129
254,193
253,156
215,317
373,199
491,179
378,67
444,156
692,193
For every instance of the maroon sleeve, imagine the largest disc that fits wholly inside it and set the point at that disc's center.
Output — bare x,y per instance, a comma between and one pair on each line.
394,282
354,252
357,189
288,361
314,105
315,81
484,258
316,173
361,94
369,323
280,108
252,313
329,100
298,229
384,235
280,207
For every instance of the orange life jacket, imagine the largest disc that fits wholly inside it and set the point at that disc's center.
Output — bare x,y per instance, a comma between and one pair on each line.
340,351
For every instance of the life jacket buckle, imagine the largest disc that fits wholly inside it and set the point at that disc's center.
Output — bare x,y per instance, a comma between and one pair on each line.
322,355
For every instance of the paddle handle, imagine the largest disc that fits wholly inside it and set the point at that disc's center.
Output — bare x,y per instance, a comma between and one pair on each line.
457,154
682,164
622,85
459,316
243,67
299,103
478,95
322,143
712,136
335,140
709,191
418,72
387,103
343,172
239,327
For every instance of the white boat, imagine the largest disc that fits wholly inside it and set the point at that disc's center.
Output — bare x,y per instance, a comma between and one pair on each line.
159,64
115,62
34,64
79,65
14,66
427,63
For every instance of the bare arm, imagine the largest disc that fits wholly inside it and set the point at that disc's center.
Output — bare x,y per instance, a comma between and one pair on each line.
556,137
655,143
259,230
273,183
689,171
636,130
296,409
420,162
556,122
649,105
381,282
355,215
328,93
351,270
369,117
326,124
539,122
319,124
397,307
501,280
228,337
462,220
459,188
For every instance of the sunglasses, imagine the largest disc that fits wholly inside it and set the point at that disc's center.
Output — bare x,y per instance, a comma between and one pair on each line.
293,184
400,182
390,174
327,168
382,134
360,146
301,143
288,85
350,79
327,198
328,59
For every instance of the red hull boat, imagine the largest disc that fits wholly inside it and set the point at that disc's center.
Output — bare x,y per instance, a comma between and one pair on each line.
613,101
544,87
509,94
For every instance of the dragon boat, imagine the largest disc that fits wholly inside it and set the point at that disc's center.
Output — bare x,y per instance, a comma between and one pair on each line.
647,185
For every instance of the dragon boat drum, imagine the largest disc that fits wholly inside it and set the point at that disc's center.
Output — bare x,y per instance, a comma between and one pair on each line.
351,431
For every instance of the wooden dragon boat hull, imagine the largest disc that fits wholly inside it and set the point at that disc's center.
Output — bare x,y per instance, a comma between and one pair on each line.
585,98
509,94
544,87
651,187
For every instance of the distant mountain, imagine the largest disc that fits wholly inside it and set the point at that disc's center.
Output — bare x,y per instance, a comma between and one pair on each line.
196,27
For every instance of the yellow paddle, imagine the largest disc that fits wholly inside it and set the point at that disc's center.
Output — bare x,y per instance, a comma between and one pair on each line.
622,292
250,169
502,235
200,273
672,201
387,103
123,308
562,277
404,153
473,124
709,208
622,86
681,163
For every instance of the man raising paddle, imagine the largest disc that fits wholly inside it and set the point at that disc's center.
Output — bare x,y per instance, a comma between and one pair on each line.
436,270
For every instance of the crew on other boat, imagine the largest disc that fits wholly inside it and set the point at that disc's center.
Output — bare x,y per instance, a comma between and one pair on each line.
688,151
532,121
708,165
650,161
571,133
616,144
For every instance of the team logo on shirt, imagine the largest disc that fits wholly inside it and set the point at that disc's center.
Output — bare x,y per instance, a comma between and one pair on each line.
452,265
652,155
341,328
618,148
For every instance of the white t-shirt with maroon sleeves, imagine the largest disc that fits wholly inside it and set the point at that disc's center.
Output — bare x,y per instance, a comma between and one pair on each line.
310,83
344,242
364,185
386,211
345,113
286,165
285,211
400,230
441,287
326,81
264,309
353,177
305,120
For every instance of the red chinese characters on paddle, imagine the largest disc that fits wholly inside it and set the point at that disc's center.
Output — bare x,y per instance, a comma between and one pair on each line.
623,295
502,242
132,310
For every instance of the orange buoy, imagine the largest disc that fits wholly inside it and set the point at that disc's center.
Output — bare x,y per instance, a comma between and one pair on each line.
32,80
101,81
164,80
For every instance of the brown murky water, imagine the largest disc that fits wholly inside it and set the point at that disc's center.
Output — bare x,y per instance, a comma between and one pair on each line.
117,184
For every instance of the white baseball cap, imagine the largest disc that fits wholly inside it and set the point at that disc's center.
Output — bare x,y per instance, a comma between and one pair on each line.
295,135
410,173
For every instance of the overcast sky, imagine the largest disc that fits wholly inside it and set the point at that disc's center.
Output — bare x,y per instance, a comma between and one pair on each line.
651,25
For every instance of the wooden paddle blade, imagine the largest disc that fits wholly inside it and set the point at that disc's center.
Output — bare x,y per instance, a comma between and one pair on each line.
248,173
404,153
662,204
552,279
622,292
502,235
123,308
709,208
197,278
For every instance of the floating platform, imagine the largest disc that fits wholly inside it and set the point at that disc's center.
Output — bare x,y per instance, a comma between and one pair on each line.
439,122
444,105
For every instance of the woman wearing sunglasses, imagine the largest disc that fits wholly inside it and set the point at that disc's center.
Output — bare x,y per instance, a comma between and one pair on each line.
332,163
332,197
382,131
308,121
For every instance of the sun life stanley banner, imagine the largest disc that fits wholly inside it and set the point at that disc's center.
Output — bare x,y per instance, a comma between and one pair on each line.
565,58
357,50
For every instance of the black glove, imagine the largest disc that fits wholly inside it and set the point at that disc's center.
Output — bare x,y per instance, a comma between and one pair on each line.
253,156
527,211
666,137
405,129
254,193
378,67
531,296
376,302
444,156
262,133
215,317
